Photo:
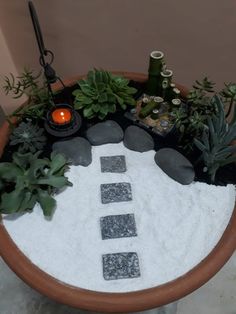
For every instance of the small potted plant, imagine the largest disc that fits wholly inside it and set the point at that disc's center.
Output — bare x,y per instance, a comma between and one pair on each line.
30,174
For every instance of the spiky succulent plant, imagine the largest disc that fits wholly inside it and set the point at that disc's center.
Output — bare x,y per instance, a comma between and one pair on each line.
216,142
29,137
101,92
28,180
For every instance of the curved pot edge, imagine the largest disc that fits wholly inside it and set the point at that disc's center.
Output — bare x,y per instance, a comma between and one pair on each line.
119,302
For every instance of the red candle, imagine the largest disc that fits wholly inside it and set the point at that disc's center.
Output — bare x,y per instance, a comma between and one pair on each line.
61,116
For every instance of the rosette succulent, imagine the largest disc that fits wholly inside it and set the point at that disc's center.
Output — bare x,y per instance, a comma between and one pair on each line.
28,180
29,137
101,92
229,96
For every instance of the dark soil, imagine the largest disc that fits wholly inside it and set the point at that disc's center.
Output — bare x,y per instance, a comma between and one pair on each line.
225,175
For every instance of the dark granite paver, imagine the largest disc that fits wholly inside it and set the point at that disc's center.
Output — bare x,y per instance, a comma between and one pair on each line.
118,226
113,164
120,266
116,192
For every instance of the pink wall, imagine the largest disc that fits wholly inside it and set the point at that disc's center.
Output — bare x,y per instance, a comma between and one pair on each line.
6,65
197,37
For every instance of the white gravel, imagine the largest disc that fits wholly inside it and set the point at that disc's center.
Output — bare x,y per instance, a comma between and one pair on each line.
177,225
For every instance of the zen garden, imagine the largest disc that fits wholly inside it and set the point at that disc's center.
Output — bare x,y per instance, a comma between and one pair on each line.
132,177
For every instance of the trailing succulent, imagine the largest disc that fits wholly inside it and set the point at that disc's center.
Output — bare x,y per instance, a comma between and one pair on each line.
38,98
229,96
216,142
28,137
199,97
190,120
28,179
100,93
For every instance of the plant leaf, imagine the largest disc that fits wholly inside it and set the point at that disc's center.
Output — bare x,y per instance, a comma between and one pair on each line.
54,181
57,162
47,202
229,160
35,166
11,202
9,171
102,98
88,112
28,201
199,145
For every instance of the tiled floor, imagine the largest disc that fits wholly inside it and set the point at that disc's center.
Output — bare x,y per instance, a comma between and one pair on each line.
218,296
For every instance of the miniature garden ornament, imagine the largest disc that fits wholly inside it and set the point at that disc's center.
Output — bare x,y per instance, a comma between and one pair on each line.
62,115
49,72
166,77
154,108
149,105
62,121
154,113
156,62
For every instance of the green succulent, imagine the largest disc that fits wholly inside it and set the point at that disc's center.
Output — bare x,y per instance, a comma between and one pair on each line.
197,121
189,126
36,91
100,93
28,179
229,92
229,96
204,85
200,90
191,119
180,117
199,96
216,142
29,137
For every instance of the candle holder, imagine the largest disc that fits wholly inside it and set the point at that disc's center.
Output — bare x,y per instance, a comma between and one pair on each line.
62,120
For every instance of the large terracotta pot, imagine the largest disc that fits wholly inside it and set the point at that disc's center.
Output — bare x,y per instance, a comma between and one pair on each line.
116,302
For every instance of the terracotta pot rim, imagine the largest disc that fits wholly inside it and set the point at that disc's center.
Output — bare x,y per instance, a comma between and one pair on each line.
116,302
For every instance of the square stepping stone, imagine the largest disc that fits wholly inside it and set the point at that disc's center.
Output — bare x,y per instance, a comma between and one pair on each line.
116,192
120,266
118,226
113,164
